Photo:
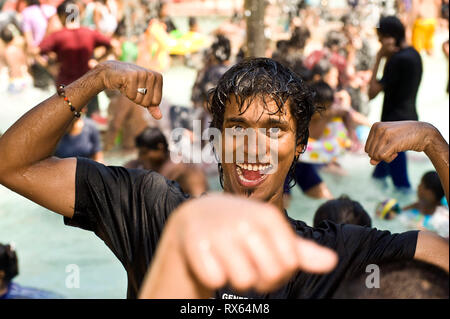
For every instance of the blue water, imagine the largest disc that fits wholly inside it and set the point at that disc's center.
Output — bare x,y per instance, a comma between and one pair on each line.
46,247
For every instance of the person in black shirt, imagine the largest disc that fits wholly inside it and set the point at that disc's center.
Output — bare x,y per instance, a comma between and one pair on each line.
181,270
129,209
400,83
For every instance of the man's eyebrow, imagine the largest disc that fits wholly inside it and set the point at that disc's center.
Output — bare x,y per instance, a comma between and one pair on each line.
273,121
236,120
270,121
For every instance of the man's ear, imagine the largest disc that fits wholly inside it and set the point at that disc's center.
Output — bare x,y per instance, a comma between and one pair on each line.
2,275
299,149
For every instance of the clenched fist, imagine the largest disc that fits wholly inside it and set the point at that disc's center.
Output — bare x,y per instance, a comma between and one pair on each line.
221,239
387,139
128,78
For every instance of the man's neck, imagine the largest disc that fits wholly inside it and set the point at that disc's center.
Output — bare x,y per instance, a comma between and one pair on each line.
72,25
276,199
403,45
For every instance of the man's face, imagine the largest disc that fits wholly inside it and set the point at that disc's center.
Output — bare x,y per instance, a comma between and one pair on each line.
255,179
388,43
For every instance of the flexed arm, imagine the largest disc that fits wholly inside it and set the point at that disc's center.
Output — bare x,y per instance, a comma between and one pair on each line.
385,141
27,166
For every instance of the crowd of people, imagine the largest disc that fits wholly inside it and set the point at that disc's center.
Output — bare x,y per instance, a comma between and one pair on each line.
313,96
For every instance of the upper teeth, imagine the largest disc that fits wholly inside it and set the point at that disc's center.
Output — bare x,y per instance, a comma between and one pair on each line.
254,167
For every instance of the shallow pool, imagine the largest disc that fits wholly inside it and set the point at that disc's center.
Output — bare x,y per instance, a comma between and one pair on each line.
46,247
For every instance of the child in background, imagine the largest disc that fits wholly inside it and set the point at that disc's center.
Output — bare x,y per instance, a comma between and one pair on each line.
428,213
154,154
333,130
14,58
9,269
342,210
306,172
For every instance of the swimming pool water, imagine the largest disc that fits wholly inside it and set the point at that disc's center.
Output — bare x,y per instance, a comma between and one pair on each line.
46,247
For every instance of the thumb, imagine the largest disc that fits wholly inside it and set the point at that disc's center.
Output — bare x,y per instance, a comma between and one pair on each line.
155,112
314,258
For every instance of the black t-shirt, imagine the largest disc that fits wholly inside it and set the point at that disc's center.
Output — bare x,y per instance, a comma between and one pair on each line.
128,208
401,80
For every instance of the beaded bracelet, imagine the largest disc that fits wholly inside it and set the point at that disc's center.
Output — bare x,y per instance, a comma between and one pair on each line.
62,92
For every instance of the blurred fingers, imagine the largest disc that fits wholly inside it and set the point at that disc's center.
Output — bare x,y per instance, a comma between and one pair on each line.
282,240
237,265
269,269
157,89
204,263
155,112
131,86
154,95
315,258
149,85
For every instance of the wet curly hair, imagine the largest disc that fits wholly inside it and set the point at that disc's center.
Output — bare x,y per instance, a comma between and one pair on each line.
269,80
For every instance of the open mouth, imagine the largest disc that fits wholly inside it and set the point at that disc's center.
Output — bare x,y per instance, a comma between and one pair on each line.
252,175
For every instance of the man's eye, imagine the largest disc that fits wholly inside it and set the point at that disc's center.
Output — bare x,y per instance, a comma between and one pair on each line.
238,129
274,130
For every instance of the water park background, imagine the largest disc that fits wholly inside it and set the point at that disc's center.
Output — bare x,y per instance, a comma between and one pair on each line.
46,247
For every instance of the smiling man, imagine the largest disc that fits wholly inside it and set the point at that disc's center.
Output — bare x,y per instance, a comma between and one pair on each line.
262,99
250,246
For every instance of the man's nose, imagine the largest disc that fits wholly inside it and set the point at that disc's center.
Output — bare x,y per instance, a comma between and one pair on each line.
257,146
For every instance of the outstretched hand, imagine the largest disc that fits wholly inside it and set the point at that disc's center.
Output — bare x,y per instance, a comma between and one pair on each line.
222,239
128,78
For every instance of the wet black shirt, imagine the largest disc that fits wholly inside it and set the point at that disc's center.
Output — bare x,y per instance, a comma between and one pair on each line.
401,80
128,208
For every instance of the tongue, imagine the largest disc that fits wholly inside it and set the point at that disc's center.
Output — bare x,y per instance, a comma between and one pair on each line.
251,175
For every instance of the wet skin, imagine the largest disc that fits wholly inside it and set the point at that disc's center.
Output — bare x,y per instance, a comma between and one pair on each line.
269,187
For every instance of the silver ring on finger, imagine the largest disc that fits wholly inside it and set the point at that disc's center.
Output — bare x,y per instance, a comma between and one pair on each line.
143,91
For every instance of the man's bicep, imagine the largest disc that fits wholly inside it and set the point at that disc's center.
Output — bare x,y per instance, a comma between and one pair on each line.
49,183
432,249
